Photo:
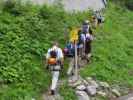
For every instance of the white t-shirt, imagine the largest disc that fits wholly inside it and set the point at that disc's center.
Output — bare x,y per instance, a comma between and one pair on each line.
85,36
58,51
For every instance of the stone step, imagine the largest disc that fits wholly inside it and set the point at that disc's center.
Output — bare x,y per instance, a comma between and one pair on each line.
127,97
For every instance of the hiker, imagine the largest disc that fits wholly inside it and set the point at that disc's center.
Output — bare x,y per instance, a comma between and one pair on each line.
86,26
88,41
81,37
81,43
85,40
100,18
69,52
94,21
54,59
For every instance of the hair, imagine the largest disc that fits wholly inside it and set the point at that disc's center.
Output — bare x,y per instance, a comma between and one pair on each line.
55,43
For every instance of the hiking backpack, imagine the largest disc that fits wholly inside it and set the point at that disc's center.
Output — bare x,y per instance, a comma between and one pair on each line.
53,54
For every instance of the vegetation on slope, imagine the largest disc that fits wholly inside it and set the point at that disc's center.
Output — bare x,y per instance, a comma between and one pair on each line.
112,50
26,32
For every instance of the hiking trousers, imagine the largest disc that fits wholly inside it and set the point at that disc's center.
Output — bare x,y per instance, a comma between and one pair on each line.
55,77
71,66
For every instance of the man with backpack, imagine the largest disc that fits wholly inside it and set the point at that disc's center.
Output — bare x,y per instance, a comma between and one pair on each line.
69,52
88,41
54,59
85,39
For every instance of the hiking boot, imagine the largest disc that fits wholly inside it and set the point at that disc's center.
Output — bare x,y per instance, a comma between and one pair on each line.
88,60
72,74
52,92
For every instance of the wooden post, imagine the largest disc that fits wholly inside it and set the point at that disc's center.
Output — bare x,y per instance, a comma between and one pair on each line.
74,39
76,63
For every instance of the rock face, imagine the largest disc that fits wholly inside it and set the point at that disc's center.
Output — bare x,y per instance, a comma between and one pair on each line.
78,5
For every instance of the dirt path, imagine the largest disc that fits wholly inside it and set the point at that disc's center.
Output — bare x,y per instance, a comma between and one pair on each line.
57,96
52,97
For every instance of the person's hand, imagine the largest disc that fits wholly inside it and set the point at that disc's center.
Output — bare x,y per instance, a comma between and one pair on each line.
47,67
62,66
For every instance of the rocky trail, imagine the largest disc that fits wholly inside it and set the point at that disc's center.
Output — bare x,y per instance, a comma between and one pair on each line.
91,89
57,96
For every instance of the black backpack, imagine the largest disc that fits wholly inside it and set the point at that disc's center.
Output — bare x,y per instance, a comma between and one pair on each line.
53,54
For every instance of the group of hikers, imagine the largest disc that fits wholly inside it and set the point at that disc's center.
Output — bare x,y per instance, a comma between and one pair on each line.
55,55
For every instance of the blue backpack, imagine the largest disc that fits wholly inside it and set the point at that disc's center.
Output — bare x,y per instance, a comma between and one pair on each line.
71,50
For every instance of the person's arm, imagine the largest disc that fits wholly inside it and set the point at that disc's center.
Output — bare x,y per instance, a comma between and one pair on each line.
61,57
47,57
